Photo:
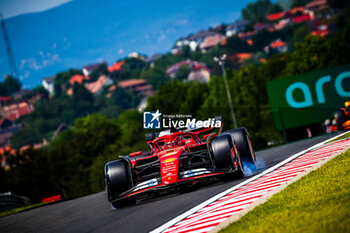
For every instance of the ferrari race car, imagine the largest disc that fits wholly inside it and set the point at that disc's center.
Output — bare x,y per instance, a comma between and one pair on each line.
179,158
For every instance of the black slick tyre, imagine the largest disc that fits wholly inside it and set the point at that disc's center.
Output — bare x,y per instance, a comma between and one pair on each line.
221,150
118,180
244,145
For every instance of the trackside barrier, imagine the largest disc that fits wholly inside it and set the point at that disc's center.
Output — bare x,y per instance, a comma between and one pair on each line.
9,201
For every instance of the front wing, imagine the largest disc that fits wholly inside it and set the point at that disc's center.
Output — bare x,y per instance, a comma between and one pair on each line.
155,184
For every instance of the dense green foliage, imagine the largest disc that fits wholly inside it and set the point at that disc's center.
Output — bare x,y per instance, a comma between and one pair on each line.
132,68
73,162
338,3
247,86
50,113
101,69
9,86
256,12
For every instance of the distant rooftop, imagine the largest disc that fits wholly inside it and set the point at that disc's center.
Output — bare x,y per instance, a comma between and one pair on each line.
50,79
131,83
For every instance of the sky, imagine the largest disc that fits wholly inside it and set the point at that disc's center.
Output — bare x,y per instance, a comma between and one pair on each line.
47,37
10,8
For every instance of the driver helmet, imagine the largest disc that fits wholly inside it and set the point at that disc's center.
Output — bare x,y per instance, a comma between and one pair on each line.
347,104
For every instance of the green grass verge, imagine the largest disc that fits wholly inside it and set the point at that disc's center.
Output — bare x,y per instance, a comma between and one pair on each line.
13,211
318,202
347,135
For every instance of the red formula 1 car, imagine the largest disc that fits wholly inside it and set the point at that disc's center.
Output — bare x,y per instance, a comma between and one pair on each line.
178,159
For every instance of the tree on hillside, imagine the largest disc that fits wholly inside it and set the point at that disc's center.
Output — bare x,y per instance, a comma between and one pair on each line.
285,4
257,11
315,53
101,70
168,60
168,98
61,82
132,68
296,3
9,86
154,76
124,98
338,3
236,45
275,8
183,73
216,102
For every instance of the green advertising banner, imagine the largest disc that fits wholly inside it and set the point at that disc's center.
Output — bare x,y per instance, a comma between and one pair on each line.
309,98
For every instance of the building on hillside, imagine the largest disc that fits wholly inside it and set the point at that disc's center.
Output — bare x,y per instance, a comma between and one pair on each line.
247,35
138,86
211,41
78,79
5,100
48,84
321,31
97,86
199,73
5,149
281,24
192,40
303,18
261,26
286,14
88,69
233,29
137,55
116,66
17,110
316,5
241,57
172,70
277,46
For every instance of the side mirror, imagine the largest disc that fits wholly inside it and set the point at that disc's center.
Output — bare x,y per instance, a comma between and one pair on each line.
135,153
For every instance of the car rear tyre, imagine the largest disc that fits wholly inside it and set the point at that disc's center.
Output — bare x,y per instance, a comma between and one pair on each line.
118,180
244,146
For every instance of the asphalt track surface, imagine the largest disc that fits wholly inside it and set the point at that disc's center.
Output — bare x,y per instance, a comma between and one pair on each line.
93,213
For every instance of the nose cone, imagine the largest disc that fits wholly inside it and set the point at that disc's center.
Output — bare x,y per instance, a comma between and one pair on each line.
169,165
